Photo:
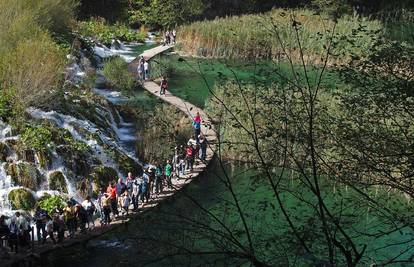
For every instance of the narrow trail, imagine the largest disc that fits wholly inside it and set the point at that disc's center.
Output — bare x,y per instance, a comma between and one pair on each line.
189,110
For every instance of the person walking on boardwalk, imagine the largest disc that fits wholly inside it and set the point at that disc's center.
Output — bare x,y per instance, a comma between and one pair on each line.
168,174
146,70
39,219
174,36
158,179
111,191
129,183
82,217
106,209
144,187
70,218
141,71
24,227
59,227
197,126
14,233
50,228
135,193
90,208
120,190
176,162
203,147
151,181
163,85
190,157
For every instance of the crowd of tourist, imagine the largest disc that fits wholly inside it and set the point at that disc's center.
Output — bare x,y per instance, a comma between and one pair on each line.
170,37
112,203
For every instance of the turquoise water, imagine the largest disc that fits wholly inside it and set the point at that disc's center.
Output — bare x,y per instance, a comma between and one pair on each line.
194,79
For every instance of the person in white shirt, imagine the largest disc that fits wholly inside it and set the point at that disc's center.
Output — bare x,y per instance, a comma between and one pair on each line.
88,205
146,70
192,141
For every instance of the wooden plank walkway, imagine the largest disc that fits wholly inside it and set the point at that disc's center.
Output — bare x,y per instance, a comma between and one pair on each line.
207,128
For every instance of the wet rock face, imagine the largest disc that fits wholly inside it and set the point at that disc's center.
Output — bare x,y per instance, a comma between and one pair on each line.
21,199
25,174
57,182
101,176
4,152
74,160
126,164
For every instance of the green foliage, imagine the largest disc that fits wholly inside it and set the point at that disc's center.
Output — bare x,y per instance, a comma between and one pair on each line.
117,73
105,33
165,13
6,105
37,137
50,203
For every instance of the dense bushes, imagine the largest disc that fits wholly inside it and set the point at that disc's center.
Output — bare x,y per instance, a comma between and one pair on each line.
105,33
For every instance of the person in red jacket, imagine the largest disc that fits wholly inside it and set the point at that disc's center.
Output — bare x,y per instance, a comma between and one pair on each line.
190,157
111,191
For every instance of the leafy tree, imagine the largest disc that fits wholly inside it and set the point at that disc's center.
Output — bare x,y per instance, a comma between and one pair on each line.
165,13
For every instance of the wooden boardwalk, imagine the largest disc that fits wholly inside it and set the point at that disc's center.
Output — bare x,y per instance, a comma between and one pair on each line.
26,259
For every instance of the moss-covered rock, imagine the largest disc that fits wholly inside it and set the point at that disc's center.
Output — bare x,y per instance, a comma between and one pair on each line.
21,199
57,182
101,176
25,174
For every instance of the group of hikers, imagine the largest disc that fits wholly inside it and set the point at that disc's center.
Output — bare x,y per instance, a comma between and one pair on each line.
170,37
111,202
143,69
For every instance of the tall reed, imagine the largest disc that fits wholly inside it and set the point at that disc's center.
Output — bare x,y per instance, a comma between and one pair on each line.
256,36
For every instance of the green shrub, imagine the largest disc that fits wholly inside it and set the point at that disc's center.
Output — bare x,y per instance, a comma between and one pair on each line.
50,203
37,137
117,72
105,33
